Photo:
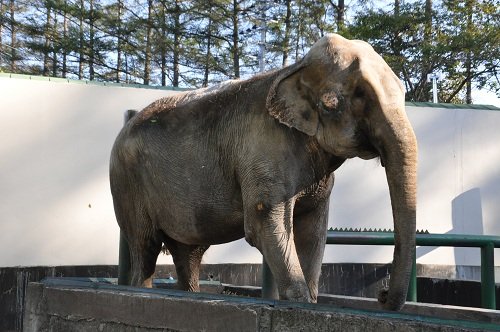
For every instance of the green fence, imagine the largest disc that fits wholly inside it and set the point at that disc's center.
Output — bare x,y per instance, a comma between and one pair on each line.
486,243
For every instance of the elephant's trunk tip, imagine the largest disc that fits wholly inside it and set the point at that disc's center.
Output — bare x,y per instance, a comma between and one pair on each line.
383,299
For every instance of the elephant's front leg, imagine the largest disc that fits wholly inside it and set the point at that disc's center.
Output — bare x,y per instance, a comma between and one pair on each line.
269,227
310,238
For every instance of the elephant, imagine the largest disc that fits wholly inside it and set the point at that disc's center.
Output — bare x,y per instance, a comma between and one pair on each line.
255,158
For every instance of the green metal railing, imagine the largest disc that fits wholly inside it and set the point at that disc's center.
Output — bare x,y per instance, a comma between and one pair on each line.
486,243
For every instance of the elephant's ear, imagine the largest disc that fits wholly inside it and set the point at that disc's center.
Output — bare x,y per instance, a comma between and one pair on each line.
288,100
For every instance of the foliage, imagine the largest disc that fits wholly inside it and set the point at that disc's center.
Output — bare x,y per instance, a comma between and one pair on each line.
196,43
459,40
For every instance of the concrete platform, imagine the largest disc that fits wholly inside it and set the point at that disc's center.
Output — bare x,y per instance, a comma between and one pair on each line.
71,305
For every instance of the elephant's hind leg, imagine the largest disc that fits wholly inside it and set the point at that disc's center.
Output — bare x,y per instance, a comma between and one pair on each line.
143,268
144,252
187,260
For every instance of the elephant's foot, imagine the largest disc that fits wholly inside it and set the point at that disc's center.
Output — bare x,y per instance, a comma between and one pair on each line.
382,296
298,293
138,280
148,283
386,303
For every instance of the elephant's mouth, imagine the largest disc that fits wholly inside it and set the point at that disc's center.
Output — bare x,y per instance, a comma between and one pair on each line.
368,154
366,150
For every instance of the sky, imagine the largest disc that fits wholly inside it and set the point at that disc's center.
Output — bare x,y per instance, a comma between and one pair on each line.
484,97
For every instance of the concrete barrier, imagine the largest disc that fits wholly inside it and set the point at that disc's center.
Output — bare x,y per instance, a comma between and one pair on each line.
69,305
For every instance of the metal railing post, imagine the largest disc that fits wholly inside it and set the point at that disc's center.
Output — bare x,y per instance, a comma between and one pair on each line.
412,287
123,261
488,296
124,252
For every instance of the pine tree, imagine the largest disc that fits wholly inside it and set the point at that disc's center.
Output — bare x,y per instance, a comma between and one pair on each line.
14,57
2,20
197,43
400,35
472,33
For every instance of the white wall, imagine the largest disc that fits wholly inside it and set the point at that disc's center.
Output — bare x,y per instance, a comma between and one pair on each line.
56,207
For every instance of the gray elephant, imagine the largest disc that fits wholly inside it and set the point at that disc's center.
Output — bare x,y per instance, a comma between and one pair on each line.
256,159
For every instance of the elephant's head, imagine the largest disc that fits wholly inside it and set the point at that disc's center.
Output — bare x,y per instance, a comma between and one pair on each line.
345,96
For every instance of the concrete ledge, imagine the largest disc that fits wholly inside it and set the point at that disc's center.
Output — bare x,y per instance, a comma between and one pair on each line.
63,305
360,280
414,308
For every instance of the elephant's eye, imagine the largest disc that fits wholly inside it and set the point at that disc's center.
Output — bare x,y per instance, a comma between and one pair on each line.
325,108
329,102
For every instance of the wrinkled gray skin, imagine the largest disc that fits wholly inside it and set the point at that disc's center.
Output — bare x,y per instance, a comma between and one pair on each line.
255,159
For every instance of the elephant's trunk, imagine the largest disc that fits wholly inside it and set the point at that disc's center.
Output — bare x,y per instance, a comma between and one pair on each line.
399,156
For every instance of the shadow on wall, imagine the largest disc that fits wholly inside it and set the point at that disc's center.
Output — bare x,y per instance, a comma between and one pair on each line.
467,218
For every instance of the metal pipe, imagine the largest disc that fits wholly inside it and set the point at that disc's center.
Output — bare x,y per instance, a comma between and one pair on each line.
487,243
387,238
488,296
124,250
123,261
434,78
412,287
434,90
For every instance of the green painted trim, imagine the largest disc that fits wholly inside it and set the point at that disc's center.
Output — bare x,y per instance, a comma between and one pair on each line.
97,83
453,106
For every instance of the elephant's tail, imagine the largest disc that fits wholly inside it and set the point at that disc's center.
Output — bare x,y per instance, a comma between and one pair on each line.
164,250
129,114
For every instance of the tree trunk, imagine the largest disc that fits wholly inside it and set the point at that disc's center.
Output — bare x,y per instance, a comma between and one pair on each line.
286,40
127,76
65,40
299,29
147,55
177,33
208,53
428,22
236,37
119,42
397,50
339,8
469,4
46,46
163,47
426,61
1,29
91,40
340,15
13,36
54,49
81,45
468,84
